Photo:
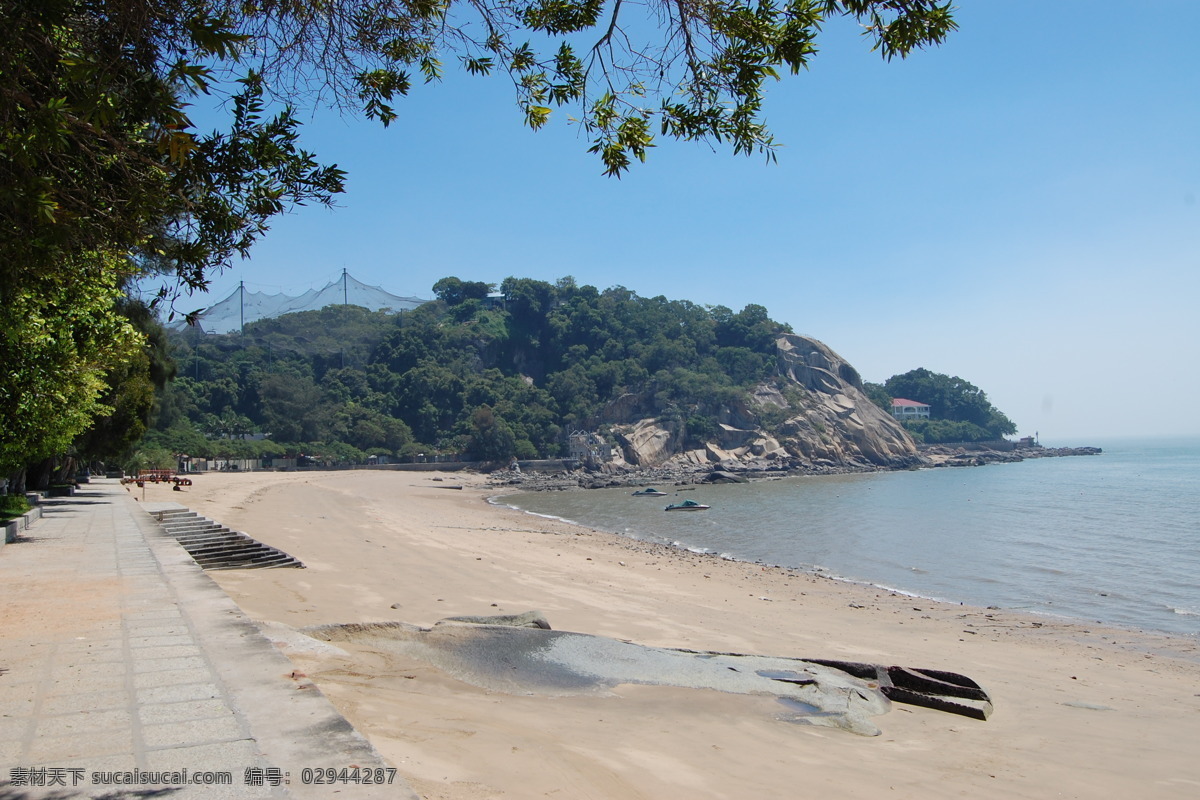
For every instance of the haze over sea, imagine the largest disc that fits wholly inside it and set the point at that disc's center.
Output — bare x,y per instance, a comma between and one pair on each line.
1112,538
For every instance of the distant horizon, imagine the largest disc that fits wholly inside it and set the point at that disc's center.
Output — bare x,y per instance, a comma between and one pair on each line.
1111,440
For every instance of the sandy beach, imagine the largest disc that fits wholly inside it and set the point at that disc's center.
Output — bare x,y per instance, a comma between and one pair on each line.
1080,711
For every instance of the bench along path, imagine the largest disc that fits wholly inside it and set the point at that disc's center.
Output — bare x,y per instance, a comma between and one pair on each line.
214,546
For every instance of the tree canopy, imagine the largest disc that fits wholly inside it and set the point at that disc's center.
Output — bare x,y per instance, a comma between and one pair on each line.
60,334
689,70
959,410
99,151
102,179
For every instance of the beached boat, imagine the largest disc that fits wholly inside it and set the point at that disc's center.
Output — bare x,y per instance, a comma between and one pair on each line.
649,491
687,505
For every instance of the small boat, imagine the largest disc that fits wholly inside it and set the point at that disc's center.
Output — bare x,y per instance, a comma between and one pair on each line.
649,491
687,505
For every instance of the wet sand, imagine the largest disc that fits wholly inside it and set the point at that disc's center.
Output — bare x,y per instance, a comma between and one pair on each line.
1080,711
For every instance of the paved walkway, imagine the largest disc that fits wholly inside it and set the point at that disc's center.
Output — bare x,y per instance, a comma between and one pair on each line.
120,658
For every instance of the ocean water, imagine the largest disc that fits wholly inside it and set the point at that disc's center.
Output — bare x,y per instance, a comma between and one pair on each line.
1112,538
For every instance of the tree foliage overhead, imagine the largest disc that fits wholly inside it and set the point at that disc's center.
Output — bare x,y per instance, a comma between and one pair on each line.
102,178
103,173
98,152
631,70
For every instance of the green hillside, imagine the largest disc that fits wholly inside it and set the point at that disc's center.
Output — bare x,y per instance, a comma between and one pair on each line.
459,374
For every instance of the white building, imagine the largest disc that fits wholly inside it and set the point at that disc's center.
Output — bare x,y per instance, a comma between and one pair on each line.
589,447
903,409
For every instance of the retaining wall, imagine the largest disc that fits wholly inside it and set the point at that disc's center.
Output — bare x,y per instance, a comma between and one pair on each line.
14,526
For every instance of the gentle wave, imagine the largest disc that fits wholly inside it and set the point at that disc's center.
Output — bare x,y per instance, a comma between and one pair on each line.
495,501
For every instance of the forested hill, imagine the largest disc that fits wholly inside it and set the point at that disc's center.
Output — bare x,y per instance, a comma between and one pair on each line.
495,378
461,375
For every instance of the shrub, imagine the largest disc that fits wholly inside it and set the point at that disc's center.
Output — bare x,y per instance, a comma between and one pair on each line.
13,505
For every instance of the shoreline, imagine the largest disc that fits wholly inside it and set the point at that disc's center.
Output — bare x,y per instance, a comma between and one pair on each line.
1150,640
1080,711
1143,614
937,456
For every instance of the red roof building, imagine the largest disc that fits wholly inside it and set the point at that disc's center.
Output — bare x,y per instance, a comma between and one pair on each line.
903,409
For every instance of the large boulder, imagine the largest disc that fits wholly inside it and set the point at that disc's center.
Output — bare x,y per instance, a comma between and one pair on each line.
731,438
837,422
827,422
646,443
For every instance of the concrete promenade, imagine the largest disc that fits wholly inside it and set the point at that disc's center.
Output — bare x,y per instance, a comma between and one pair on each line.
122,665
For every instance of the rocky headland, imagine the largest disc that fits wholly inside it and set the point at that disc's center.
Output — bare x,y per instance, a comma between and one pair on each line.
813,419
939,455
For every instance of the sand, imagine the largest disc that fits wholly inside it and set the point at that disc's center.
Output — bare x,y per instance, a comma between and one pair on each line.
1080,711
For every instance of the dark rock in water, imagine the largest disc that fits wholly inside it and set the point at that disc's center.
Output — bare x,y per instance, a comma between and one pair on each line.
721,476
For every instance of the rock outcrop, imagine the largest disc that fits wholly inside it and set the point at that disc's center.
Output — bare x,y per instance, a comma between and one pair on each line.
646,443
819,417
849,428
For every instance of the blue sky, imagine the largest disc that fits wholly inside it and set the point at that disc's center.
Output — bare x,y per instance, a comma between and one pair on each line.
1019,207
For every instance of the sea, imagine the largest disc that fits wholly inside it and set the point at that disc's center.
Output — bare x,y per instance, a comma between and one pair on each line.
1112,538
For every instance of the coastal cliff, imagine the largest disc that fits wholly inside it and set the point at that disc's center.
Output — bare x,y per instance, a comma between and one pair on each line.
814,416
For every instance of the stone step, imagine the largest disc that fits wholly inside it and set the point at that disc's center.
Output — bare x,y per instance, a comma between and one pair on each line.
216,547
174,516
187,522
178,530
214,530
199,539
273,564
208,530
261,558
248,549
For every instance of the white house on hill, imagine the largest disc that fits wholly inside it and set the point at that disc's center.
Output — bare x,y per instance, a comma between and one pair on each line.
903,409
